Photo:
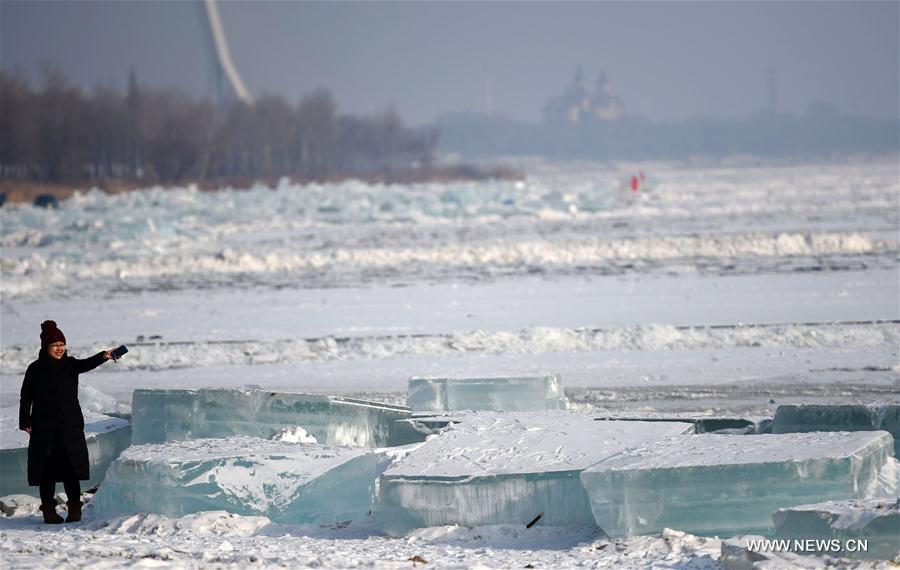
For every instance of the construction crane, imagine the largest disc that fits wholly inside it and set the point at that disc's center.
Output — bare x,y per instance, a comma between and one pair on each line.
221,56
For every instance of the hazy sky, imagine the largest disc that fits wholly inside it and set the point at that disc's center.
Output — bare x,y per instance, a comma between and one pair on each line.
666,60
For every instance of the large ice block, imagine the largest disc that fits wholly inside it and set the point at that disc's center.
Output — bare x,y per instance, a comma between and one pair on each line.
839,417
287,482
506,468
728,484
106,438
424,424
873,523
702,423
509,394
93,400
172,415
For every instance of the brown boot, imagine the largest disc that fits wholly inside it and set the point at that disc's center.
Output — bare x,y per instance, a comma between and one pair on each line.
74,511
50,516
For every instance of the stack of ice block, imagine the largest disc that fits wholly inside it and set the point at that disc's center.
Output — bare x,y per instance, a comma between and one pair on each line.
171,415
839,417
508,394
877,522
725,484
287,482
106,438
506,468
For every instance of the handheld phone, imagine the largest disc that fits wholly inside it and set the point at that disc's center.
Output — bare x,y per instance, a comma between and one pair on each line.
117,353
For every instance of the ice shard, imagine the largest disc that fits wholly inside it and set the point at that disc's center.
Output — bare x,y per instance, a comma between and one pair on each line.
506,468
728,484
871,529
287,482
839,417
106,438
508,394
172,415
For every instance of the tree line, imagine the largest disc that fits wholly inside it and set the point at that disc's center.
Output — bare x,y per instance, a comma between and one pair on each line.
62,134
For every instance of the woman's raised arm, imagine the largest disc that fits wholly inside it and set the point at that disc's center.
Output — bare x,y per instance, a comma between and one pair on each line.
87,364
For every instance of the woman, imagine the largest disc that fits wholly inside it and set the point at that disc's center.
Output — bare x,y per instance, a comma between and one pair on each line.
50,413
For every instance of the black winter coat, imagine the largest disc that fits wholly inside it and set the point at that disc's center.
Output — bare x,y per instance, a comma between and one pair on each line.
49,405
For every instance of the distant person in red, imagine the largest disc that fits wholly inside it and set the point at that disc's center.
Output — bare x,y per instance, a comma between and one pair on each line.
49,411
634,183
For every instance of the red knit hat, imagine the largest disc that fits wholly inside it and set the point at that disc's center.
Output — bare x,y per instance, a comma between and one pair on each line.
50,334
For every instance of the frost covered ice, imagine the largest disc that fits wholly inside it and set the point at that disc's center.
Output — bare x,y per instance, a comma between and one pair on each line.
172,415
875,521
839,417
106,438
727,484
506,468
509,394
287,482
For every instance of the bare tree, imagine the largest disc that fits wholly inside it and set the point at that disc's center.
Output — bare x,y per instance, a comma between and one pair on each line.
62,134
18,133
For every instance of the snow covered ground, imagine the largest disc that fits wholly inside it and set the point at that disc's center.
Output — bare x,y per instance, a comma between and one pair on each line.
714,290
218,539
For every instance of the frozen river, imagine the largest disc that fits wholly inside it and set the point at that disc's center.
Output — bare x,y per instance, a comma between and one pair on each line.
716,290
707,289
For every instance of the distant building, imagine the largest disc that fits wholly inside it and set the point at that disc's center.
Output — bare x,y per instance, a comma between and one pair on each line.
584,103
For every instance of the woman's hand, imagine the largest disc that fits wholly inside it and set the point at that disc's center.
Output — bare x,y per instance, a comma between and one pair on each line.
27,430
109,355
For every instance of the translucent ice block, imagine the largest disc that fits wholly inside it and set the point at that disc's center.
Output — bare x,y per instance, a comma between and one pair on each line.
506,468
839,417
702,424
93,400
172,415
877,522
287,482
509,394
423,424
729,484
106,438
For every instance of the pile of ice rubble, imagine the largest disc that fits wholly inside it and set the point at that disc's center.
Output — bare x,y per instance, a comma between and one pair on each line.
501,451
